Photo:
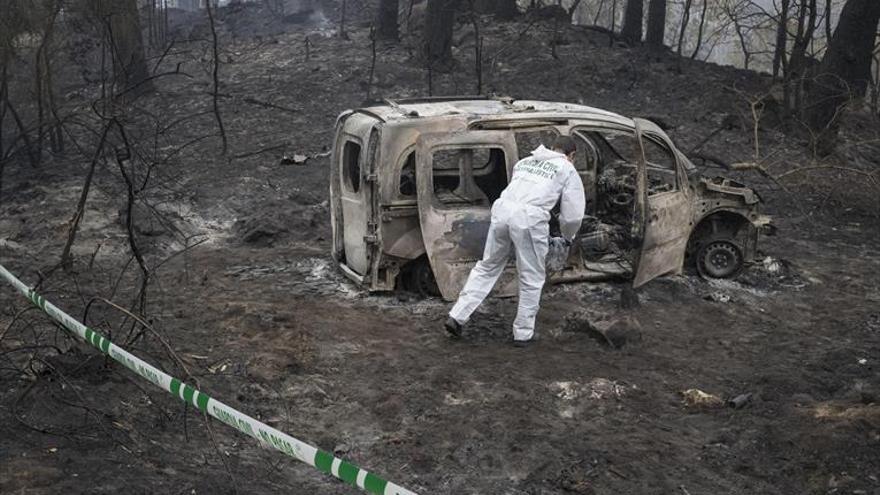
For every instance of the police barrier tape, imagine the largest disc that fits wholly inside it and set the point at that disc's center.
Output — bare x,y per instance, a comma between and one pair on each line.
266,435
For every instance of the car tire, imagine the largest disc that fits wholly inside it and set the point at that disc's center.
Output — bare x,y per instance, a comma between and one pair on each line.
719,258
420,278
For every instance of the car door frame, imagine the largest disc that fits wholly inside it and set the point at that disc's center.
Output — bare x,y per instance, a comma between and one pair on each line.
359,241
661,222
454,237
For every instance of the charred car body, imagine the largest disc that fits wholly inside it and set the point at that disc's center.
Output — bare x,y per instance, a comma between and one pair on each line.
412,183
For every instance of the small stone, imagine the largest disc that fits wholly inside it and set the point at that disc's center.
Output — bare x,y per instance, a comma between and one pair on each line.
694,397
717,297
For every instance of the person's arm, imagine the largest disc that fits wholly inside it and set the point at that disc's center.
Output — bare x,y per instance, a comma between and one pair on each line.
572,204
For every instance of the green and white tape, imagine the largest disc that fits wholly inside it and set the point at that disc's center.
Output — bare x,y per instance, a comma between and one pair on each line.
265,434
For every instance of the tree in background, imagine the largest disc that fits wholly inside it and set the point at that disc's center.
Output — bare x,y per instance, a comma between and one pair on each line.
14,21
120,17
38,19
685,20
656,23
700,30
780,50
875,86
632,22
44,90
439,21
845,71
387,20
501,9
796,71
684,23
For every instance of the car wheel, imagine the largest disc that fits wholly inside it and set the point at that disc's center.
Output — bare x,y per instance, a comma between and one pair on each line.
719,258
421,279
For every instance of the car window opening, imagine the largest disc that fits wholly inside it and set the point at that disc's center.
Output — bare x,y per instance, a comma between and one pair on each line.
469,176
408,176
528,141
351,165
660,167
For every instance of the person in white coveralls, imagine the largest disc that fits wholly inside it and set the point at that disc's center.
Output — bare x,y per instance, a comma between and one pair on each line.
521,218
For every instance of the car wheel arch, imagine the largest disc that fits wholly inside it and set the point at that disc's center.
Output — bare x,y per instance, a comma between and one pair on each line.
720,221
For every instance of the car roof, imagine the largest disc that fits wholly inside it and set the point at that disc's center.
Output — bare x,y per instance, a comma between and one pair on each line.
486,108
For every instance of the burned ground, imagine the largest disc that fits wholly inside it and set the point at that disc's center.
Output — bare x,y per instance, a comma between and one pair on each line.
254,308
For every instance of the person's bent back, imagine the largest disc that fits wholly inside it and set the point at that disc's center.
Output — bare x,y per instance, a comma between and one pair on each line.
521,217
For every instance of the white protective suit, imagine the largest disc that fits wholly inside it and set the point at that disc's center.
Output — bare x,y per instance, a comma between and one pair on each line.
521,216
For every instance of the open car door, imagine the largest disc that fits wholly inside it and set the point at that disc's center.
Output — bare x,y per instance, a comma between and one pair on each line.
458,177
662,220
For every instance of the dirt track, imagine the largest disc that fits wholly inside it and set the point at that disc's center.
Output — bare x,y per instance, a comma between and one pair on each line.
375,378
271,328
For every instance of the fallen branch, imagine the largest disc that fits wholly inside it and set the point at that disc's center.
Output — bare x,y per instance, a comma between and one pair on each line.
129,221
182,251
600,29
175,72
710,158
23,134
215,77
84,195
162,57
260,151
14,319
25,423
96,414
165,343
265,104
856,171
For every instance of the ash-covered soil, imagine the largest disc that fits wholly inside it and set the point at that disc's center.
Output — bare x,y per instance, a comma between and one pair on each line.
243,289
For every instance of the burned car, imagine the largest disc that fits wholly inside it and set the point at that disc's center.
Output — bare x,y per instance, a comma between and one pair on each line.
413,181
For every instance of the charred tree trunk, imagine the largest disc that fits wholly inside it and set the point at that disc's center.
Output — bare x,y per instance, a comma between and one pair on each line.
656,23
700,30
598,12
779,52
845,71
828,11
39,93
215,94
164,21
478,52
2,112
632,22
83,197
505,9
685,19
44,89
797,63
129,61
439,20
501,9
3,86
151,23
743,36
344,8
613,23
23,133
874,91
373,38
387,20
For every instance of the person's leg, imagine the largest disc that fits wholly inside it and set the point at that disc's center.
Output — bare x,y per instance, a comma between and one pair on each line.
485,274
530,241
